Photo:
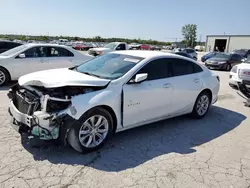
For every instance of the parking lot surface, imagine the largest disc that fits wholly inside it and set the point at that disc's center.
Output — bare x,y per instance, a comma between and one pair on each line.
180,152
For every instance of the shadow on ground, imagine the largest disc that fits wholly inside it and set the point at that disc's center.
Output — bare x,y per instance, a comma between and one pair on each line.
131,148
7,86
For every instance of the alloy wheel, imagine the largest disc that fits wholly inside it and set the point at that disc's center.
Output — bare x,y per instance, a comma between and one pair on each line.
202,105
93,131
2,77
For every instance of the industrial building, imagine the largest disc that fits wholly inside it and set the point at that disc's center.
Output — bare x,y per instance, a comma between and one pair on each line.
227,43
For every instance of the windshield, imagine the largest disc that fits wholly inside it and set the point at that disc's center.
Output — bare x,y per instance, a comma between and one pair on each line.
109,66
221,56
13,50
111,45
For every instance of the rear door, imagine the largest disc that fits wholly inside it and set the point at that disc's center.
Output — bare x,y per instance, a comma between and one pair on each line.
186,83
59,57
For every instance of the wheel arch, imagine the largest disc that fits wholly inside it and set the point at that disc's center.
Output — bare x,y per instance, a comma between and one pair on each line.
6,71
111,111
209,92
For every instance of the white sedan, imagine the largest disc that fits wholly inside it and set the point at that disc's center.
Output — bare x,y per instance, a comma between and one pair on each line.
111,93
36,57
239,72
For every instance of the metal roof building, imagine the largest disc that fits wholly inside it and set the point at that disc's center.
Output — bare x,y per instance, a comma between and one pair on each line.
227,43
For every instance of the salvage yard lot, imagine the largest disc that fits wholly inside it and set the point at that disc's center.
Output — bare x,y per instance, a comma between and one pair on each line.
180,152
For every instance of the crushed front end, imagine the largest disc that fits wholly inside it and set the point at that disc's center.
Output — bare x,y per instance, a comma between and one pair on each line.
41,112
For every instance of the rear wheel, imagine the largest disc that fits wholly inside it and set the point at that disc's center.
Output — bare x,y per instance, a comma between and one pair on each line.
4,76
92,130
201,105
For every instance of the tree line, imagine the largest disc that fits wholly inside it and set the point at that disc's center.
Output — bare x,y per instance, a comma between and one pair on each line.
94,39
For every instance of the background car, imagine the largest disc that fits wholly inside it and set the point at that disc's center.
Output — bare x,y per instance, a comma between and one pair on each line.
184,54
113,92
31,57
207,56
145,47
243,52
239,73
7,45
191,52
223,61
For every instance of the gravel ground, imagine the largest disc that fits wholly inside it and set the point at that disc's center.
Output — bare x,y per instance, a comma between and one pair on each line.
176,153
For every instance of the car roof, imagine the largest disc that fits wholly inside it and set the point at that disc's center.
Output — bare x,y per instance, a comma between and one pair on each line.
145,53
45,44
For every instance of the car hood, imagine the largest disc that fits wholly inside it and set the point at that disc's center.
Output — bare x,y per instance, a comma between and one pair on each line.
100,49
59,78
243,66
216,60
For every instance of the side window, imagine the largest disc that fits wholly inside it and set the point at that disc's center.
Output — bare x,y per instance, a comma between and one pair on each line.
13,45
190,51
60,52
36,52
2,44
156,69
121,47
182,67
197,68
239,58
236,57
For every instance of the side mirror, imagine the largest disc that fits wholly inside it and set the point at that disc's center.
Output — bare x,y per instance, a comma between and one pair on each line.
21,56
139,78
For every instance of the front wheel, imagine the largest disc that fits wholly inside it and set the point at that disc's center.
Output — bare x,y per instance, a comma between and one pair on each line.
92,130
201,105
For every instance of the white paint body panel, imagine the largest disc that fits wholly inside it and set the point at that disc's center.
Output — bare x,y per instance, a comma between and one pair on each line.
60,77
143,103
235,76
19,67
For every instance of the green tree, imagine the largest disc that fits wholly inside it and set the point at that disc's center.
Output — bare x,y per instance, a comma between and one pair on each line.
97,39
189,34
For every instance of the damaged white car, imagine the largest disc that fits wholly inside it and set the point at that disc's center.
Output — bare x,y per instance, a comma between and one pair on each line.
85,104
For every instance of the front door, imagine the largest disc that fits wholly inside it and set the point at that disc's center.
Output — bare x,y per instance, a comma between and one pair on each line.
33,61
150,99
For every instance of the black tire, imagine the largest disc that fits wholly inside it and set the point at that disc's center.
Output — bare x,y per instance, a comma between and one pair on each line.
73,134
228,67
6,76
195,113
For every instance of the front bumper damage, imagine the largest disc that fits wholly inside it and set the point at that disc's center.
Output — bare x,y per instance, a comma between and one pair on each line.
40,124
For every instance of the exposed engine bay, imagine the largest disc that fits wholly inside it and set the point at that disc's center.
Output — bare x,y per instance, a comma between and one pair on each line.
44,108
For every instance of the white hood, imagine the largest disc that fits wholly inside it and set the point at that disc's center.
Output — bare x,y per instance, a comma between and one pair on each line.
243,66
60,77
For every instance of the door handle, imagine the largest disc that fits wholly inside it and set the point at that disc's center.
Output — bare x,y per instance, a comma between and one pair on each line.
42,61
196,80
167,85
